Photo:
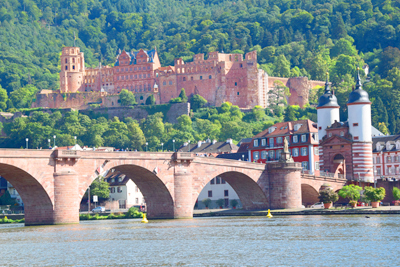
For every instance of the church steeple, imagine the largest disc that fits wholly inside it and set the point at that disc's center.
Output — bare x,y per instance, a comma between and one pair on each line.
328,99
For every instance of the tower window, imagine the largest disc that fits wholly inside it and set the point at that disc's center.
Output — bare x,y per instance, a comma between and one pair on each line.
66,67
73,67
184,78
201,77
237,93
355,137
235,83
66,60
210,77
355,124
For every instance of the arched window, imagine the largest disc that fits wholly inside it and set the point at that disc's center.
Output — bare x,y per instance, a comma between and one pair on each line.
210,77
141,97
66,60
164,83
66,67
73,60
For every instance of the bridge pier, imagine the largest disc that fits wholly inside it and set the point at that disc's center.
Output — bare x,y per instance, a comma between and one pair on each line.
66,198
285,185
183,205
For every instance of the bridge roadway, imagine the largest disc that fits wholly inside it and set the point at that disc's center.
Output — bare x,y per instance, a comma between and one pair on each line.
52,183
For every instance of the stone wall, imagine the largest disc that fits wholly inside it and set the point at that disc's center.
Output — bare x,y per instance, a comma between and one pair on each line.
56,99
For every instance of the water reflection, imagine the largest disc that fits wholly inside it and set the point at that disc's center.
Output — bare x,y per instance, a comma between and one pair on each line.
228,241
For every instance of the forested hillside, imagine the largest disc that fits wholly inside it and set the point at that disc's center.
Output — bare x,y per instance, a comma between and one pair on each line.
292,38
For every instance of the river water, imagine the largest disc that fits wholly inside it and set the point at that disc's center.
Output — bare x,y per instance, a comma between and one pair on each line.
223,241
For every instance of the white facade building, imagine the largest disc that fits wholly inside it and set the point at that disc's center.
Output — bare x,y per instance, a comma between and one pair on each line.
216,189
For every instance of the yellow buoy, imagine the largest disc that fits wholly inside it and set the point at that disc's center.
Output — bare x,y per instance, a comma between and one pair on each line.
144,220
269,215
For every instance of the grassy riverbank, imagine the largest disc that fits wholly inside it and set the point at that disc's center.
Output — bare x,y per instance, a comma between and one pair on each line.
130,214
7,220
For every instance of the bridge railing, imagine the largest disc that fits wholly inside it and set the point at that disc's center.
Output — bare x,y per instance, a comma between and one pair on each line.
320,174
66,154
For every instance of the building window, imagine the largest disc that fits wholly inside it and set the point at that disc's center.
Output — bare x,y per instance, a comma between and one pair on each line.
263,142
389,159
201,77
279,140
271,154
184,78
355,137
295,139
137,200
212,181
210,77
330,134
355,124
235,83
342,133
304,164
271,142
218,180
66,67
164,83
303,138
378,160
191,78
295,152
304,151
263,154
256,142
119,189
210,193
378,171
223,181
317,165
226,193
255,155
170,82
237,93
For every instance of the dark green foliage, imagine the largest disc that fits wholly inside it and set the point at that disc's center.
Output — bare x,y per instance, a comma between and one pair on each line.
328,196
197,101
351,192
396,193
183,96
127,98
6,199
100,188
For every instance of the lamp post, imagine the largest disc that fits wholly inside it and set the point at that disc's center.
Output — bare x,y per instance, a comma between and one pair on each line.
75,139
54,140
27,139
189,145
146,146
173,145
48,140
162,147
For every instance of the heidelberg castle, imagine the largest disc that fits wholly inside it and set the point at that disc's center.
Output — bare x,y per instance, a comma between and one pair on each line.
219,78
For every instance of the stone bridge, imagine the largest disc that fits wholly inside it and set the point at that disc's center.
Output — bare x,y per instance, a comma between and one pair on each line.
52,183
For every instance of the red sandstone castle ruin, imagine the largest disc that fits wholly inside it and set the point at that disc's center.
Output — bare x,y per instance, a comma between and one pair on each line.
219,78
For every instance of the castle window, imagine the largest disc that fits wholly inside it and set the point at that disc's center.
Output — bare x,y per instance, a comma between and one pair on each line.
141,97
135,76
355,137
164,83
140,76
130,69
140,68
241,65
170,82
73,60
230,58
73,67
66,67
191,78
117,70
235,83
184,78
148,75
201,77
210,77
148,67
135,68
66,60
237,93
126,77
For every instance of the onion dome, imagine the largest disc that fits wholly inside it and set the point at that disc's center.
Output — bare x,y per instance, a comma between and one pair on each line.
358,95
328,99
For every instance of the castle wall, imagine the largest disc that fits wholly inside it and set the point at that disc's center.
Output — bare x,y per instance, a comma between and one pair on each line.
66,100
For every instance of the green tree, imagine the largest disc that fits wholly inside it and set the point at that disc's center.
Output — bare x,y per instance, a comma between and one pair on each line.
127,98
396,193
6,199
197,101
383,128
374,194
99,188
183,96
136,135
282,66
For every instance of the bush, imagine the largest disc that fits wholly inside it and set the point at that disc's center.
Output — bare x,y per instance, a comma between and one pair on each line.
374,194
328,196
351,192
234,203
396,193
133,213
220,202
206,202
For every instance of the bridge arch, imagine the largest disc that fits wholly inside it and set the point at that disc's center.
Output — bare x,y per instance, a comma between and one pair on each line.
38,204
248,190
158,198
309,195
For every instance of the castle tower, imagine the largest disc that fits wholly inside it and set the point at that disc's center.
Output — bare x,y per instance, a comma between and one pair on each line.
359,113
72,73
327,110
327,114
